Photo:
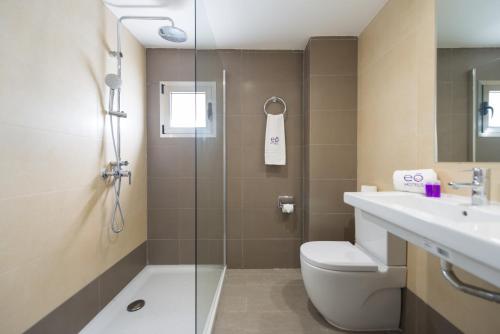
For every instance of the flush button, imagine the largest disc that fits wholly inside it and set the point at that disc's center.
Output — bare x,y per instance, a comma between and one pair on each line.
429,245
443,252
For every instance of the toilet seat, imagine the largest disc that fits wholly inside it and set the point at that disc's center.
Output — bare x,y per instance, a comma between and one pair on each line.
338,256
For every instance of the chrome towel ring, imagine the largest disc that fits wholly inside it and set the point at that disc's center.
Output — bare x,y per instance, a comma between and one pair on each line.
275,99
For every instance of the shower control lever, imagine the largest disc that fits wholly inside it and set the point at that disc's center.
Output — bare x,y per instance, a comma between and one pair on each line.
126,173
121,163
117,172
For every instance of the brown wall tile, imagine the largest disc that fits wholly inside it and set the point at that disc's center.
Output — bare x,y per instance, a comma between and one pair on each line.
173,161
332,161
163,223
253,163
252,76
260,193
420,318
234,224
79,309
187,251
332,226
333,56
72,315
327,196
272,65
277,253
332,127
333,92
113,280
234,253
171,193
330,137
271,224
254,93
163,251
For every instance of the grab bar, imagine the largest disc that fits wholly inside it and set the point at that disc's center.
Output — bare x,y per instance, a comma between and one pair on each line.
449,275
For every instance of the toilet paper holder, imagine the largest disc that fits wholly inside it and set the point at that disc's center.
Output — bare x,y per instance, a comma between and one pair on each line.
285,200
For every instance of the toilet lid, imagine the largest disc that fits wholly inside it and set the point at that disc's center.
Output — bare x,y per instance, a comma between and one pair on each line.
337,255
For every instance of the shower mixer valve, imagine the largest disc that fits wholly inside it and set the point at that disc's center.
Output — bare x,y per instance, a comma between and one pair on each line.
115,170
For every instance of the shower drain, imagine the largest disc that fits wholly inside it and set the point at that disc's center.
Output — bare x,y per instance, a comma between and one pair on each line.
136,305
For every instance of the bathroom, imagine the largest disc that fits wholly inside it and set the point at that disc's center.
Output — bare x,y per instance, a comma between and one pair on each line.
217,166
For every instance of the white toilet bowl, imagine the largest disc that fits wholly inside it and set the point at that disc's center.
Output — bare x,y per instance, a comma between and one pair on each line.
357,287
352,292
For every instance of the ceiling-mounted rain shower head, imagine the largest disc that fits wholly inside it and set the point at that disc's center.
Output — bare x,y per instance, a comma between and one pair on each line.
172,34
113,81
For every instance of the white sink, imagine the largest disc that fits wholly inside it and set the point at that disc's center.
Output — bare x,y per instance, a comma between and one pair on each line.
449,227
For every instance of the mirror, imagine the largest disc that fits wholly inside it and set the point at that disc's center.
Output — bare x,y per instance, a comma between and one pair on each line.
468,80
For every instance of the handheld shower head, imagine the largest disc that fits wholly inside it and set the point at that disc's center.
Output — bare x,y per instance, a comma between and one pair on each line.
172,34
113,81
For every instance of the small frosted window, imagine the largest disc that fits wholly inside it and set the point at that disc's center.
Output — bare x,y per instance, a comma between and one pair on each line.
494,102
188,110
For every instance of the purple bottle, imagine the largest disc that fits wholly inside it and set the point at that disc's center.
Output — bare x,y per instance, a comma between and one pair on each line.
436,189
429,189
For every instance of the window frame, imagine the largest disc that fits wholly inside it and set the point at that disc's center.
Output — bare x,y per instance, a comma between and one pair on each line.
210,90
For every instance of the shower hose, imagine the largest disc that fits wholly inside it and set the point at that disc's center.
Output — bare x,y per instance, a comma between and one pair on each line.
117,225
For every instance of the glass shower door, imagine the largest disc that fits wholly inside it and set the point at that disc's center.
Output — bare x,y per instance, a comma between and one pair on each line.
210,173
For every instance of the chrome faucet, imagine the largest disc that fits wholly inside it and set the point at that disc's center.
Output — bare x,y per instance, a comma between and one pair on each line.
480,186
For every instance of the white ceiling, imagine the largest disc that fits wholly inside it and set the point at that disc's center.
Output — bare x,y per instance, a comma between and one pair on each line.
249,24
467,23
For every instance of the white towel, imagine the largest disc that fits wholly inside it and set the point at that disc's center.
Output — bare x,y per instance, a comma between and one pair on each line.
413,180
275,148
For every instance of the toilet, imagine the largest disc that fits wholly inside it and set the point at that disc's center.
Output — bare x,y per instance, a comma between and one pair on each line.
357,287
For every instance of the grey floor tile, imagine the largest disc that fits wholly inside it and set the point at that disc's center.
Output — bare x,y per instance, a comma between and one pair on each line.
265,301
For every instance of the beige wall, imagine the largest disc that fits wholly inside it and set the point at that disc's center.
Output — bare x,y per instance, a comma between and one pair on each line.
54,139
330,83
396,100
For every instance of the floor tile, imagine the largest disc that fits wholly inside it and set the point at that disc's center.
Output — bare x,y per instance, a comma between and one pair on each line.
268,301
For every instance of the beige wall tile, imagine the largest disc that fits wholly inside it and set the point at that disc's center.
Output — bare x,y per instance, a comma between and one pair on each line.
55,143
405,30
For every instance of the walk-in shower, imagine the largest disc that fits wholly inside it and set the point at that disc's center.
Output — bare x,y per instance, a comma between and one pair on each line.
181,284
115,169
